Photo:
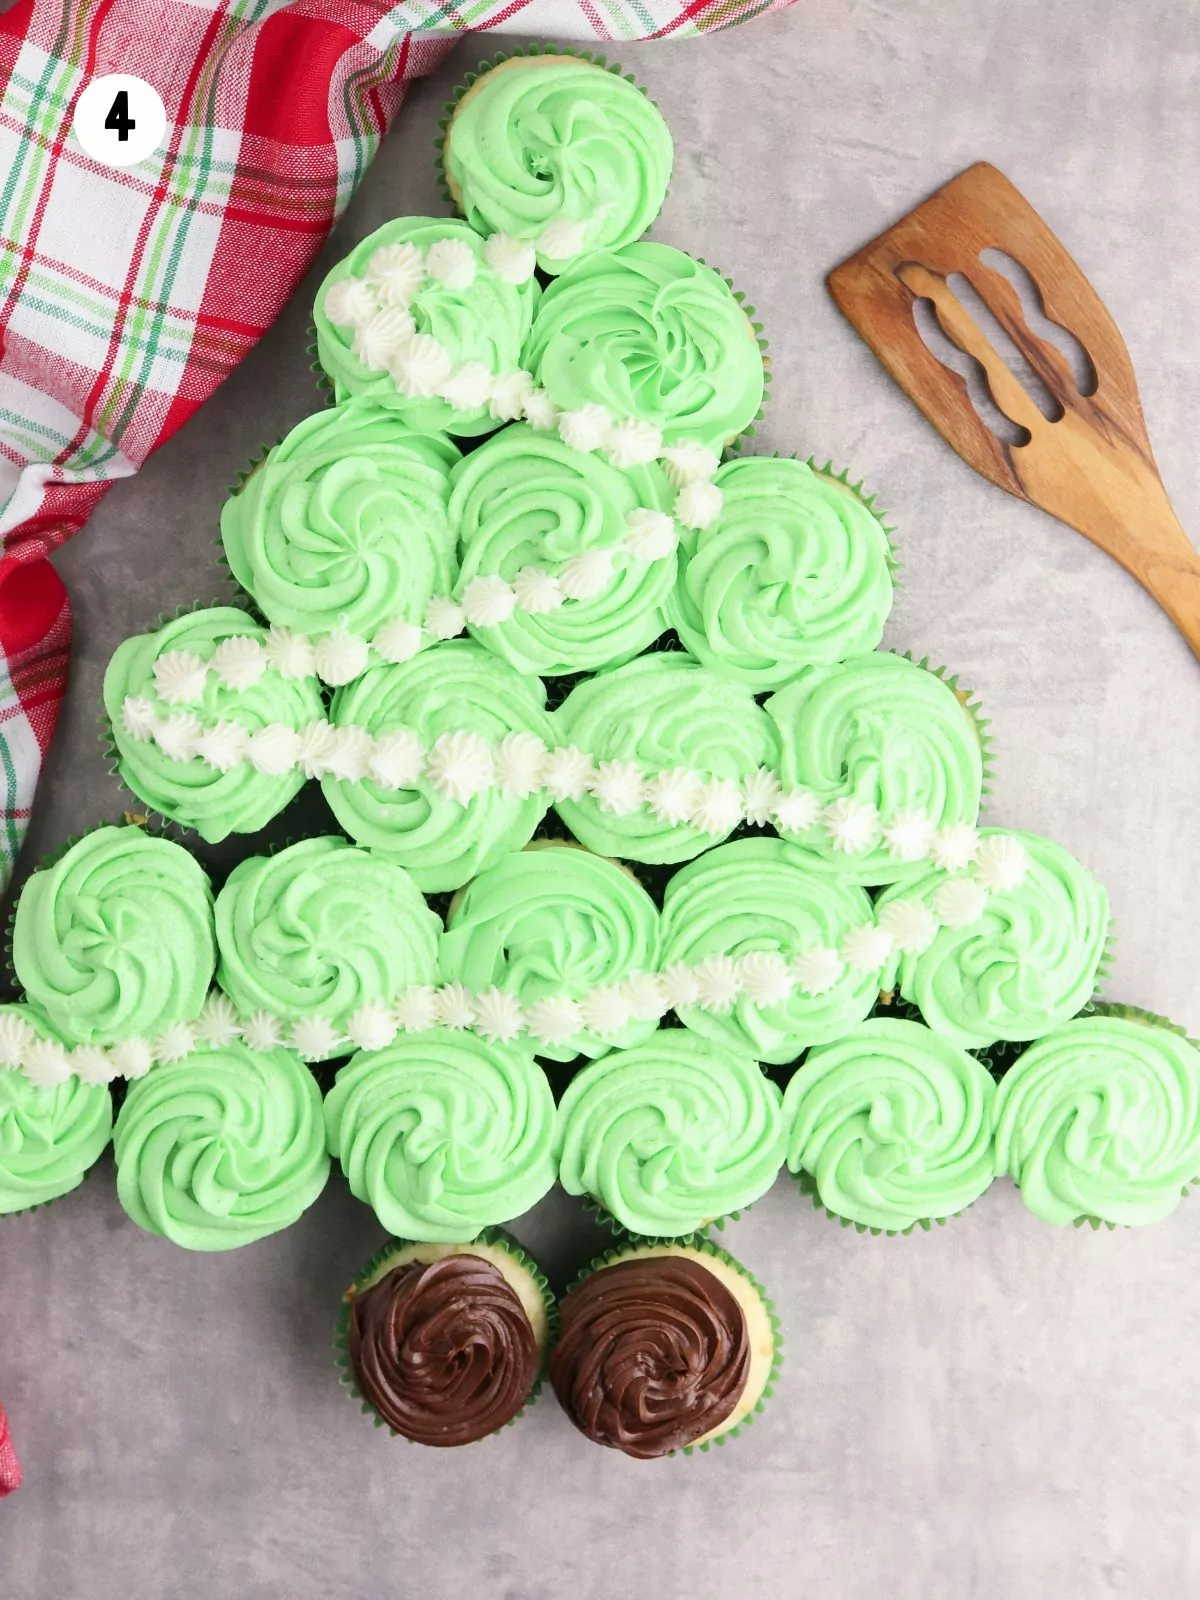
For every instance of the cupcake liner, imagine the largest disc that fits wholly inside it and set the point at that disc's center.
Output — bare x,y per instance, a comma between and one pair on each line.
867,501
324,382
603,1215
737,445
45,1205
498,1237
702,1243
971,705
807,1185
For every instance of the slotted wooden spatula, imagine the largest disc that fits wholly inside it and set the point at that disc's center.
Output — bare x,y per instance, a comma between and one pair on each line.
1093,468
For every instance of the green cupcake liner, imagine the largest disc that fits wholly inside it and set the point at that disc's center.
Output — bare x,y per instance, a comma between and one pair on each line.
869,502
807,1185
737,445
323,381
45,1205
702,1243
971,705
499,1237
595,1208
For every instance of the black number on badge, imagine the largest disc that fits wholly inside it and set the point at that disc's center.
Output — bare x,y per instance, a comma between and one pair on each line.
118,118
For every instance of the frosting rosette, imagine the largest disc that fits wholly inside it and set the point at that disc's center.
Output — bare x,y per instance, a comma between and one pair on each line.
443,1134
1024,965
671,1135
668,736
343,524
1101,1120
392,329
115,939
322,929
651,335
448,823
795,571
50,1135
528,507
222,1147
892,1124
554,920
180,725
560,146
759,905
888,738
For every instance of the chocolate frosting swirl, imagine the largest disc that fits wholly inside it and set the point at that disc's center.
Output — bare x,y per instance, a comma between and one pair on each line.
654,1354
443,1351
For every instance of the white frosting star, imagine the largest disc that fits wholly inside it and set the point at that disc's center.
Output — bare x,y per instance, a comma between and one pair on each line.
488,601
453,1006
540,411
416,1009
680,986
469,387
16,1035
689,462
563,239
398,641
796,811
718,982
46,1063
866,949
317,744
138,717
314,1038
498,1016
340,657
632,443
852,825
537,592
698,504
650,535
911,924
90,1064
605,1011
644,995
554,1019
274,750
453,263
224,746
371,1027
953,847
568,773
263,1032
131,1058
459,766
379,342
672,794
766,978
909,836
177,734
618,787
585,428
420,367
217,1023
818,970
520,762
350,755
760,795
350,303
587,574
239,661
444,617
396,272
718,807
510,391
514,260
397,760
291,654
959,902
179,677
1001,862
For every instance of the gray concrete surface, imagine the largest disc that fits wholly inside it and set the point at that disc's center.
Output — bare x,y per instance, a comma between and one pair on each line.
999,1410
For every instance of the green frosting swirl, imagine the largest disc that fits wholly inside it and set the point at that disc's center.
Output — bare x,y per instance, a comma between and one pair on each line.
486,323
660,711
877,728
221,1148
343,524
649,333
115,940
1025,967
454,687
794,572
671,1135
215,804
1101,1120
525,499
761,895
893,1124
322,928
552,137
49,1138
554,920
442,1134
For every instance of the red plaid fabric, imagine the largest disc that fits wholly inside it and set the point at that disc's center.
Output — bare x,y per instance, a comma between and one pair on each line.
10,1467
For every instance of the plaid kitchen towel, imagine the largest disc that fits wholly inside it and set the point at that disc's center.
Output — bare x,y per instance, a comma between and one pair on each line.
126,295
10,1467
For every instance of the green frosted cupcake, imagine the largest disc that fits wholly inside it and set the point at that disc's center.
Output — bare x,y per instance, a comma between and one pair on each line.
222,1147
443,1134
416,320
343,526
665,1347
454,780
752,950
115,939
444,1344
671,1135
573,557
672,746
651,337
891,1125
556,151
323,938
795,571
891,755
208,717
1100,1120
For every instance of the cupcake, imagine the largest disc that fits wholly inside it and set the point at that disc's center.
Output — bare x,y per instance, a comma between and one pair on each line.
1015,942
443,1134
556,151
417,319
669,747
890,1126
53,1126
450,776
445,1343
646,335
567,560
795,571
322,938
114,940
1100,1120
570,937
221,1147
664,1347
672,1135
890,753
208,716
765,956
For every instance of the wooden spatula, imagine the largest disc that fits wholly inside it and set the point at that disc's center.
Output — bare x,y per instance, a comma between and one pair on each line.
1093,468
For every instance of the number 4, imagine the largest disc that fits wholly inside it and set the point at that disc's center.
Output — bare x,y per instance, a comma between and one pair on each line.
118,117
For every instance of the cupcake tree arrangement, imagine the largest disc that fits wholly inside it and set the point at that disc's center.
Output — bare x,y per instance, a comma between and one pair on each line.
610,691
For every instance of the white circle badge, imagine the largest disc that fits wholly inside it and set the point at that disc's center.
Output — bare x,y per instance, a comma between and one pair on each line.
120,119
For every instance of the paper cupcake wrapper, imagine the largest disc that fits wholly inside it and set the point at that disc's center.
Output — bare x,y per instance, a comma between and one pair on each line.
737,446
807,1185
701,1242
498,1237
869,502
44,1205
602,1214
971,705
324,382
243,598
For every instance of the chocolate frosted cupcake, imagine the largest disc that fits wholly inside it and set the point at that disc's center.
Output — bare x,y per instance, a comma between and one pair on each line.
446,1343
664,1347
